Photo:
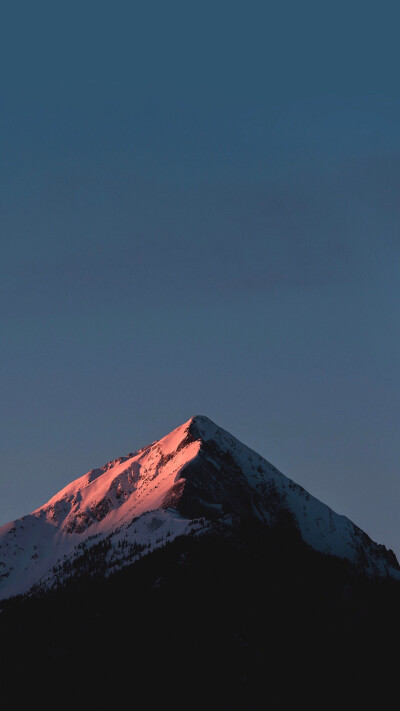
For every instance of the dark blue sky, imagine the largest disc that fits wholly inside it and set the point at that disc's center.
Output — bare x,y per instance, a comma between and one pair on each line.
200,214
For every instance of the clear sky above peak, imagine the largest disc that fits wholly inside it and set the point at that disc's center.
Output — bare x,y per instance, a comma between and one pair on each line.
200,213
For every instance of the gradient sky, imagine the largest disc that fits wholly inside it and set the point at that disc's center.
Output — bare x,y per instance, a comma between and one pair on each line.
200,215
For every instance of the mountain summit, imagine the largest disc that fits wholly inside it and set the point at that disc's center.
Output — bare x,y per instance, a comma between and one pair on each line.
197,478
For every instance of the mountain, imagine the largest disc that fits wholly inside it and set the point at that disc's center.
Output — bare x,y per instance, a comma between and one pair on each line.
195,481
195,575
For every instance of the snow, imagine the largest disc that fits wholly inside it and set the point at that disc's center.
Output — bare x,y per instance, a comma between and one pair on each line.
122,502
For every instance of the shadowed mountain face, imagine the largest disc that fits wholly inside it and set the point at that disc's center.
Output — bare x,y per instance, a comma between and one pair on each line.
196,480
248,617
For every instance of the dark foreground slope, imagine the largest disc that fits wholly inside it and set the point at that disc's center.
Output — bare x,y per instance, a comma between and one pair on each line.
253,620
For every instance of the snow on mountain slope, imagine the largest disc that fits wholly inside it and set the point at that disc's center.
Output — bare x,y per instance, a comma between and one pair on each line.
179,485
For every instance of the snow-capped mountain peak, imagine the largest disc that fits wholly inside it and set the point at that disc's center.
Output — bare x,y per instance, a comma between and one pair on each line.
180,485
